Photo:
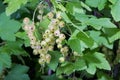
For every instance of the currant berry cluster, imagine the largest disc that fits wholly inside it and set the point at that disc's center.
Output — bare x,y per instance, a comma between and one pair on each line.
51,37
55,29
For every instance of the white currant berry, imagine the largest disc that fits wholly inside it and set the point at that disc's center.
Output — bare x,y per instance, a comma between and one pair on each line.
55,21
61,24
26,27
75,53
65,48
61,59
41,61
59,46
43,43
35,52
58,41
47,40
50,48
26,20
47,31
57,33
45,36
58,15
62,36
51,36
32,28
40,12
50,15
62,50
39,17
48,58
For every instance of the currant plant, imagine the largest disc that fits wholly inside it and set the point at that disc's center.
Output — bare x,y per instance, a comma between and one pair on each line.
59,39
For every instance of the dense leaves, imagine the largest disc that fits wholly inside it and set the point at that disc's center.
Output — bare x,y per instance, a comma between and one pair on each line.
91,32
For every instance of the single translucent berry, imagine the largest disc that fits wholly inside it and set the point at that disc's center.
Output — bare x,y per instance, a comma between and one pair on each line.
41,61
61,59
55,21
50,48
43,43
47,31
50,15
62,36
48,58
39,17
61,24
65,48
57,32
58,15
59,46
35,52
47,40
26,20
40,12
75,53
58,41
62,50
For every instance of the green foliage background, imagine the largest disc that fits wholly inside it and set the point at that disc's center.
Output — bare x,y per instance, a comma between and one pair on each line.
94,33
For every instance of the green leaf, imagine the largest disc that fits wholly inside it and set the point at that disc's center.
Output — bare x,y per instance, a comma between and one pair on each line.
91,68
75,45
100,40
96,60
104,63
65,17
55,55
114,37
23,35
113,1
74,7
85,38
5,61
99,23
85,6
51,77
14,48
18,72
80,64
44,23
8,27
103,76
112,34
100,4
67,68
115,11
14,5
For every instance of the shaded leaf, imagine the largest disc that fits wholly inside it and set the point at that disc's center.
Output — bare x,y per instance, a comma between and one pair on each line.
7,31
